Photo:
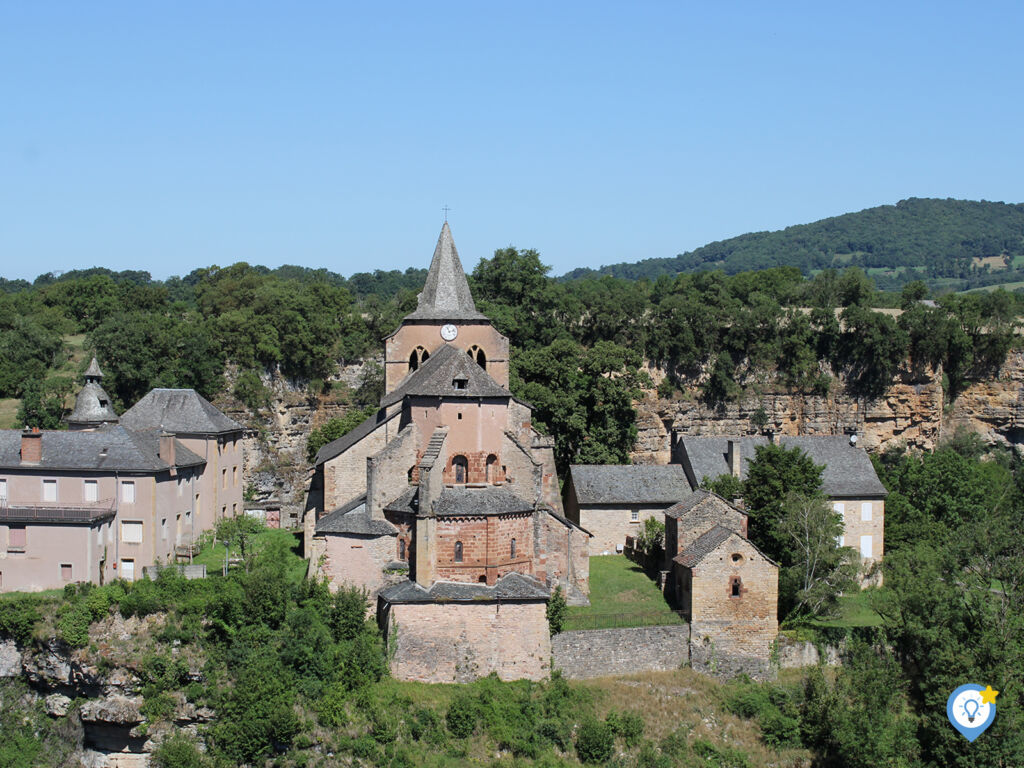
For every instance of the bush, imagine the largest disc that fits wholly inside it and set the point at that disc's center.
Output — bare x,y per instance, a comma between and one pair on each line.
628,725
250,390
462,716
721,757
178,751
556,611
595,742
73,623
18,618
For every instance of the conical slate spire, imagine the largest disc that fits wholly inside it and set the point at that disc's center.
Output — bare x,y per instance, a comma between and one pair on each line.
446,293
93,373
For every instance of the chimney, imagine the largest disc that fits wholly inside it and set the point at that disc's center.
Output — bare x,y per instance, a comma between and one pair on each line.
31,446
167,450
733,457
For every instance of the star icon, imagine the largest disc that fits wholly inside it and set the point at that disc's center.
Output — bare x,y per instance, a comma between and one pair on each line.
988,696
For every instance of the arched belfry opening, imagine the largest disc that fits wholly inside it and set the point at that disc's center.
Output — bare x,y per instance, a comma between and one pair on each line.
417,358
492,468
477,354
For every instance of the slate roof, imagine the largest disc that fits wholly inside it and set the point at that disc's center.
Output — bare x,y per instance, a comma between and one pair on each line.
109,449
436,376
92,406
408,502
445,294
629,483
848,471
93,371
461,501
694,500
510,587
180,411
703,546
354,518
346,441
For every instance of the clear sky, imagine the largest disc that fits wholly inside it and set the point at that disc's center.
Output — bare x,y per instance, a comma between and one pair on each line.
166,136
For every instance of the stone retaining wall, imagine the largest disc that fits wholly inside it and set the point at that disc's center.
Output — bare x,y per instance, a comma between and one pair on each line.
598,652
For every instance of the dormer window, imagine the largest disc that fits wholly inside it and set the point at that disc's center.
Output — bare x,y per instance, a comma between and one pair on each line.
460,383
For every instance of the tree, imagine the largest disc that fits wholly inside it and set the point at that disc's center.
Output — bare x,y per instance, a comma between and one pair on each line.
335,428
821,570
652,536
42,403
774,474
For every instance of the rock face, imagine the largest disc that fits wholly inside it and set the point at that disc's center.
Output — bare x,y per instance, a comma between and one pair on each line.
912,412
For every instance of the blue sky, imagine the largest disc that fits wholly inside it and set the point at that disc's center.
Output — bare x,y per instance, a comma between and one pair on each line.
167,136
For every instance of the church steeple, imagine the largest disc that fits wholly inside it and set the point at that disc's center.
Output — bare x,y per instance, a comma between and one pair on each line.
92,404
446,293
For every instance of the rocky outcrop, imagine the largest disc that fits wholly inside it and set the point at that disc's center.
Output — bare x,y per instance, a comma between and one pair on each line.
911,412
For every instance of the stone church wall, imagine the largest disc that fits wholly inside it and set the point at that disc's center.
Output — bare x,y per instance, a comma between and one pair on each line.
354,560
598,652
345,475
566,554
445,643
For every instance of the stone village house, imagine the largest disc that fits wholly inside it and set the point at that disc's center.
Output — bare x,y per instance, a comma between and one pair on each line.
445,503
112,495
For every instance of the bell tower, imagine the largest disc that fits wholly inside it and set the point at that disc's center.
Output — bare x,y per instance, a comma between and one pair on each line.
445,314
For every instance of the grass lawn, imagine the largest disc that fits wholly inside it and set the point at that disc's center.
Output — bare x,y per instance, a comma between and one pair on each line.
855,611
621,595
9,412
212,554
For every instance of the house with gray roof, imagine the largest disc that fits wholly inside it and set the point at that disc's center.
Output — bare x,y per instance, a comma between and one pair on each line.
613,501
111,496
848,478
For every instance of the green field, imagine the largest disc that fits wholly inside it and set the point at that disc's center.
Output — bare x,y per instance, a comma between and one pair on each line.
855,610
621,595
212,553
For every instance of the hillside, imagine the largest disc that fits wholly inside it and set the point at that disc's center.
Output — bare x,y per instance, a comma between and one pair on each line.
956,244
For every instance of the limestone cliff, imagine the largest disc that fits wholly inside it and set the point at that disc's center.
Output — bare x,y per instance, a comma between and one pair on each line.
911,412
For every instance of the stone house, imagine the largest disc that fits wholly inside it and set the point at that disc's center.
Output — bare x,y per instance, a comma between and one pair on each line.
727,588
444,504
849,479
613,501
106,499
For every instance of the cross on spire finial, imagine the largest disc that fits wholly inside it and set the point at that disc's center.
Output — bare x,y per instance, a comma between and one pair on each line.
446,209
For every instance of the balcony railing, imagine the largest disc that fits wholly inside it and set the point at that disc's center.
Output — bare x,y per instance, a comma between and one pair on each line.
55,511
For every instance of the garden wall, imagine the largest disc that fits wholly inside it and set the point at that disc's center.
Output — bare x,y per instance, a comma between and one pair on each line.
598,652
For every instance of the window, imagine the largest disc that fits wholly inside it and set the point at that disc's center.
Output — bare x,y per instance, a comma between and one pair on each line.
865,546
512,549
49,490
735,587
492,466
3,490
865,511
17,538
477,354
163,528
65,571
91,490
131,531
234,475
841,541
224,478
401,549
128,491
181,485
460,383
837,507
460,467
128,569
634,515
458,551
234,510
737,557
224,511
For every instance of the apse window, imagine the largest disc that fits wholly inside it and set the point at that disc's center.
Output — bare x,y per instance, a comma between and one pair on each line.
458,551
512,549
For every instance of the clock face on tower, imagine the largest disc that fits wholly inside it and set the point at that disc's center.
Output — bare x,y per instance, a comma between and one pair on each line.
449,332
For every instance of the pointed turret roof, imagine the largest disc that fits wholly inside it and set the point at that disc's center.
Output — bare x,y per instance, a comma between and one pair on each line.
93,371
446,293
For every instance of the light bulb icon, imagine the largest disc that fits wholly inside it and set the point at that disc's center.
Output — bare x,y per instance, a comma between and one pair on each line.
971,708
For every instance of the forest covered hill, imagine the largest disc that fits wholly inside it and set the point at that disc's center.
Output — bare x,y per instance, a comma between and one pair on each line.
950,244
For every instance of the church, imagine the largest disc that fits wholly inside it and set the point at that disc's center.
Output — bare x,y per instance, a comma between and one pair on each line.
445,505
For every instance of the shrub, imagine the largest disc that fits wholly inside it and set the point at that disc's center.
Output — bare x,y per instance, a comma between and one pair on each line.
628,725
178,751
721,757
18,618
462,716
594,742
556,611
250,390
73,623
331,707
425,725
